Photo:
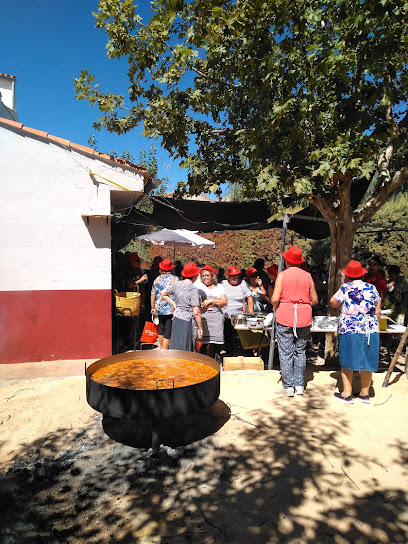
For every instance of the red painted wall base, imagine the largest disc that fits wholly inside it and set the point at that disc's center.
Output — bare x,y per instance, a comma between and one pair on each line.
55,325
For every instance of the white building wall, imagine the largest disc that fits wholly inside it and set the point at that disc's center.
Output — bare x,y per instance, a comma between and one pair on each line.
45,244
7,92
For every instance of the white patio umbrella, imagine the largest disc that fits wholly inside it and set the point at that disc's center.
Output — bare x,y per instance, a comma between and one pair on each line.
177,237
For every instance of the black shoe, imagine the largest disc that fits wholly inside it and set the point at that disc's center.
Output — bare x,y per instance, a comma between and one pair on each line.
364,398
346,400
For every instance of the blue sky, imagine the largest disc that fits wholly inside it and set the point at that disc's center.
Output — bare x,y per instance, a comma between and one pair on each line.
45,44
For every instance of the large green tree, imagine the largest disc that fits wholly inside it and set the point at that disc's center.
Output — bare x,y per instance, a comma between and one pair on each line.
286,98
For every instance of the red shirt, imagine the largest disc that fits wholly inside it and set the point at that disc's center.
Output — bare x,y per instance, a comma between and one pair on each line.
379,281
296,284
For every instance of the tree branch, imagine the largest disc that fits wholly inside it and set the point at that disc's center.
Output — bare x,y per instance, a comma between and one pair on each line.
323,207
376,201
383,162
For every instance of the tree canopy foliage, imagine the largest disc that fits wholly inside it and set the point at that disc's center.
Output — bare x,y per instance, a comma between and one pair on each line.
288,98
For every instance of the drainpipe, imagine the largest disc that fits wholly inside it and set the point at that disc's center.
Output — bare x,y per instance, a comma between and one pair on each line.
151,184
13,95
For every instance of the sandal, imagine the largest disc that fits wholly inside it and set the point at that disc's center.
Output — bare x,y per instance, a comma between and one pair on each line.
346,400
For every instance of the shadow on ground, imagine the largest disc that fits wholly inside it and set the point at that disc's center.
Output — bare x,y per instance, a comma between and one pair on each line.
255,483
178,432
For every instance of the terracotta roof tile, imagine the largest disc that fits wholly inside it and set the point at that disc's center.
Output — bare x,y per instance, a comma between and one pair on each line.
103,155
36,132
58,140
8,75
82,148
11,123
67,143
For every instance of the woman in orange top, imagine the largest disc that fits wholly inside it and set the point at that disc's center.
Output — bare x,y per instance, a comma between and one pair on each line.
292,299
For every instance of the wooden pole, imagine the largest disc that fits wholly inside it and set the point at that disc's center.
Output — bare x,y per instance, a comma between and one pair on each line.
395,358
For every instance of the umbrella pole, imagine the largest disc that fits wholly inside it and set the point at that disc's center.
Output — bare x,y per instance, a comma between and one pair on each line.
174,254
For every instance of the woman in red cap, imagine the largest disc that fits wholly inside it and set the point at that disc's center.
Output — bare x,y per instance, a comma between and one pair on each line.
261,294
160,307
272,274
213,299
186,306
239,296
292,299
358,331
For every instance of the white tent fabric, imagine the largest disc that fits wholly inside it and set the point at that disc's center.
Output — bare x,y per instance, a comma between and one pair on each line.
178,237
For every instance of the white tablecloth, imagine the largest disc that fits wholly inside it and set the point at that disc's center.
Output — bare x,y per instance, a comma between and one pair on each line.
329,324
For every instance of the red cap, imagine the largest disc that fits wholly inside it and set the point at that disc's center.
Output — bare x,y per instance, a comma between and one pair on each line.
190,270
250,272
273,270
166,265
209,268
133,257
293,255
233,271
354,269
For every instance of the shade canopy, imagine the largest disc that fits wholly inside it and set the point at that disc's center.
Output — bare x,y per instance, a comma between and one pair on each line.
177,237
198,216
195,215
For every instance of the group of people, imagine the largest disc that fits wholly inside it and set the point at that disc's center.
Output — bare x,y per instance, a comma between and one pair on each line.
361,298
221,295
194,310
197,310
393,290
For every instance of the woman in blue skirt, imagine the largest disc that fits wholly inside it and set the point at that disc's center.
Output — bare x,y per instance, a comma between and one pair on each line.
358,331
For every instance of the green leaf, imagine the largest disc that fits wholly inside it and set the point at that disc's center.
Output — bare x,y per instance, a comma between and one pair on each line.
367,169
354,163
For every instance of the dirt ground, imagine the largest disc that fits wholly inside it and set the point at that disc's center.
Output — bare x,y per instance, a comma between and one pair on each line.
255,468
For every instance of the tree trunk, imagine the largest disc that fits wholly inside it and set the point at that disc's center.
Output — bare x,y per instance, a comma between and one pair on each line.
342,237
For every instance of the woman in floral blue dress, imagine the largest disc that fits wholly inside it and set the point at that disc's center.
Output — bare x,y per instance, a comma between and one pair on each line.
160,307
358,331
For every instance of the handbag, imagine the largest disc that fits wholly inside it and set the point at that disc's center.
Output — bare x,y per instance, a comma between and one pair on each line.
155,319
150,332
